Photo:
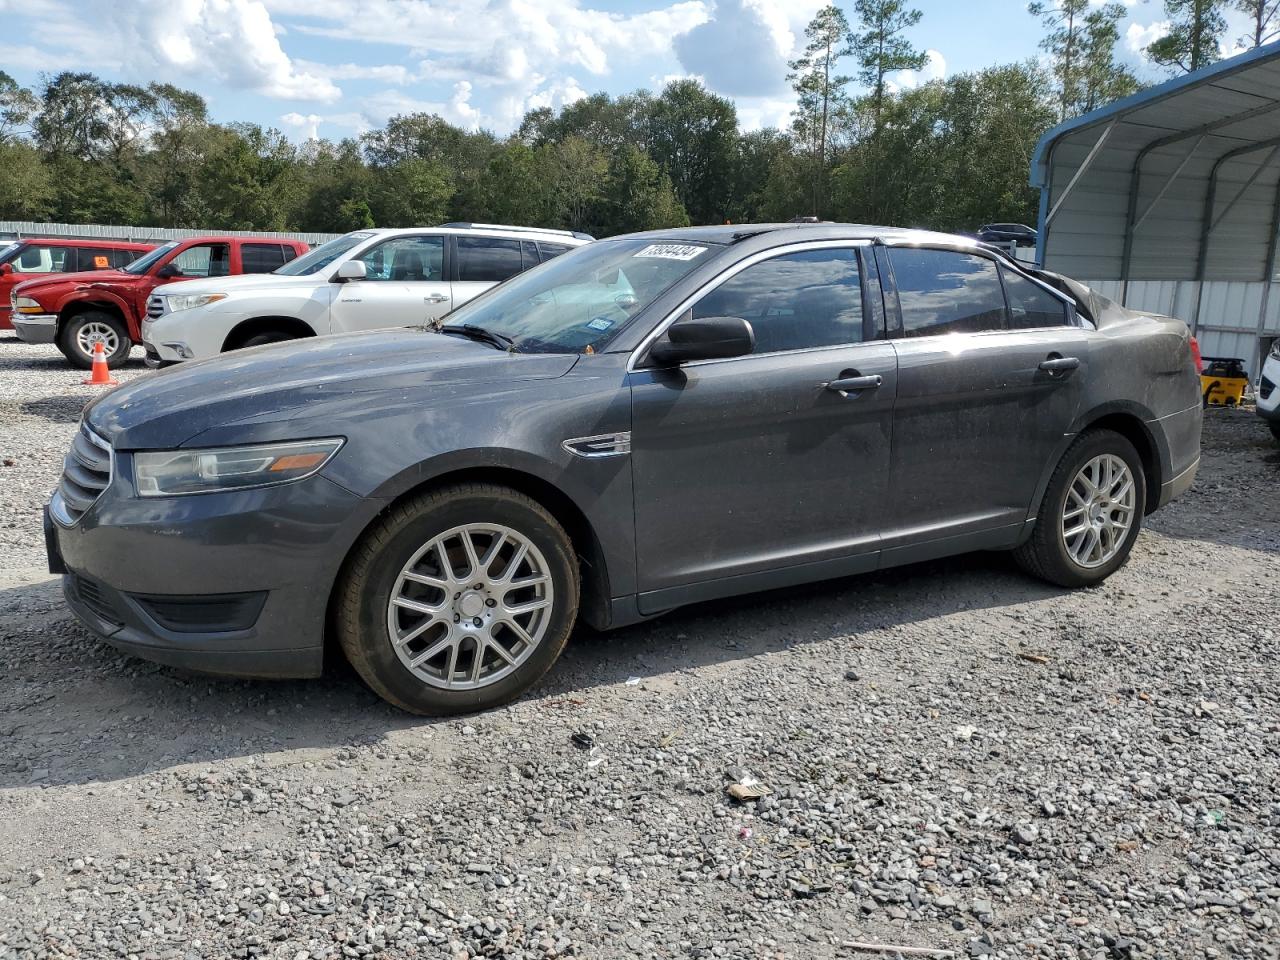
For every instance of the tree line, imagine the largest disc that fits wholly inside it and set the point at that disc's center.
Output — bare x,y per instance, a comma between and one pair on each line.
949,154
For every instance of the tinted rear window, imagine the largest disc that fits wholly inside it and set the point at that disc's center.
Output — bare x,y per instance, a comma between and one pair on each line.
487,259
262,257
942,291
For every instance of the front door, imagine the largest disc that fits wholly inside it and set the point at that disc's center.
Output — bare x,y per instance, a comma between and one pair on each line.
746,467
404,285
977,417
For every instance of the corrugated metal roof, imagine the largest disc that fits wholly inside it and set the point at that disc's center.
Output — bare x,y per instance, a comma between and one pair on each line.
1181,181
13,229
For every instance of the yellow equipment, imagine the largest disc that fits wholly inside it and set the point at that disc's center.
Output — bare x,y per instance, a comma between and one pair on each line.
1222,381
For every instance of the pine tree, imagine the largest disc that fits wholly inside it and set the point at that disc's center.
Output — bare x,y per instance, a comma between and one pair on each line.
819,88
1195,31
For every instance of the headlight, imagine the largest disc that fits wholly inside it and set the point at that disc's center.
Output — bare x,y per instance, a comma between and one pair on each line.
26,305
187,301
169,473
1274,353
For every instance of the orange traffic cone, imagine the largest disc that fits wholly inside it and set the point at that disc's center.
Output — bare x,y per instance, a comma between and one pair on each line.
100,375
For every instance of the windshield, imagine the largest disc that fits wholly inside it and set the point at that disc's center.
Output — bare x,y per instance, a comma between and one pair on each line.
7,250
147,260
582,298
323,255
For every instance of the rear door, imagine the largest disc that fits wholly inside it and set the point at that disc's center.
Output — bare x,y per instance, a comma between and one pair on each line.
405,284
485,261
978,417
748,466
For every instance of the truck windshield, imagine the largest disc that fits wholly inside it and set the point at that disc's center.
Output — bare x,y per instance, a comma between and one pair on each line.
580,299
145,262
323,255
8,250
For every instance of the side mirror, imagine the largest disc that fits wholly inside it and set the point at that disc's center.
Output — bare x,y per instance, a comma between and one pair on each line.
704,338
168,271
350,270
6,269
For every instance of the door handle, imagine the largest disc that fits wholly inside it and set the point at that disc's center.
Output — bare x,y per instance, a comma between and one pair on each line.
435,298
847,385
1060,364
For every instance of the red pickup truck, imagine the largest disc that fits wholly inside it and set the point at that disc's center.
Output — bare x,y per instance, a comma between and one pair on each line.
78,310
33,257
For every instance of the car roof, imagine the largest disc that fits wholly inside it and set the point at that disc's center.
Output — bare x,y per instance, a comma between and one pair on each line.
732,233
84,242
486,230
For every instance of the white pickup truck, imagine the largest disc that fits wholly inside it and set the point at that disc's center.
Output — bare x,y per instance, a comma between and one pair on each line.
360,281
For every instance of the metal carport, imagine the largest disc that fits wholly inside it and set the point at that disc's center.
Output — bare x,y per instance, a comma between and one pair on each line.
1169,201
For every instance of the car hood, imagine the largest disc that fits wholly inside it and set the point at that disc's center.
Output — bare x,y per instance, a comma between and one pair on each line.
34,287
240,283
303,379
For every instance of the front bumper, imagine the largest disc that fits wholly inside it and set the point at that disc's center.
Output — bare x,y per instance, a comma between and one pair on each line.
235,584
36,327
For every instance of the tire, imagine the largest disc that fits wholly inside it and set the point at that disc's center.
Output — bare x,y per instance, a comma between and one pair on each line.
1046,553
1275,429
406,539
82,329
261,339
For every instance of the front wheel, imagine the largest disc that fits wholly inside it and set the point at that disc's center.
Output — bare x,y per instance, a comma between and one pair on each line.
1275,429
457,600
262,339
1091,512
78,335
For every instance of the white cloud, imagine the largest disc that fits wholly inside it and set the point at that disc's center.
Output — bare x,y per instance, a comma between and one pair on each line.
306,128
742,50
935,68
24,57
383,73
232,42
1137,37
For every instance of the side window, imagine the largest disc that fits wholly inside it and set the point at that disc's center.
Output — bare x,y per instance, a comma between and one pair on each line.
549,250
122,258
795,301
528,254
487,259
288,252
942,291
261,257
405,259
43,260
95,258
204,260
1030,305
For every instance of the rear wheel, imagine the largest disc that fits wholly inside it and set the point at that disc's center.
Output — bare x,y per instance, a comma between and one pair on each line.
77,336
1091,512
458,600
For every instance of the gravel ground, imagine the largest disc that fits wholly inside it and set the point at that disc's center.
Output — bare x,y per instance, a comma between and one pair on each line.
957,758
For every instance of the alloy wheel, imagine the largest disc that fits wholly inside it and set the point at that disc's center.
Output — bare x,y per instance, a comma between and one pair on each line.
1099,510
470,606
93,333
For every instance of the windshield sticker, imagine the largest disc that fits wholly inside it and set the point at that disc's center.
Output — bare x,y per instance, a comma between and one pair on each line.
600,323
671,251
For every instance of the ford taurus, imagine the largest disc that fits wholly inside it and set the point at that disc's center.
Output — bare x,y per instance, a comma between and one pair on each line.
641,423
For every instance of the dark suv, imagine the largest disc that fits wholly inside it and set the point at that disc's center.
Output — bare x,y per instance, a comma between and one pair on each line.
643,422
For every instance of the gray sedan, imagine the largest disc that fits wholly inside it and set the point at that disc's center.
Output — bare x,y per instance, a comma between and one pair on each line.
641,423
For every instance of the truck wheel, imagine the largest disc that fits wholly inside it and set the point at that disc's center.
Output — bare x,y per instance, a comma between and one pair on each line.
459,599
1091,512
78,335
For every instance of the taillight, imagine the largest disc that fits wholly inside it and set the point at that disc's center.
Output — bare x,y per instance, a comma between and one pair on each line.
1195,355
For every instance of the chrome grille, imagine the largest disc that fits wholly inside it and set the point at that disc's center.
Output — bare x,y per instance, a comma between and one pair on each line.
155,306
86,472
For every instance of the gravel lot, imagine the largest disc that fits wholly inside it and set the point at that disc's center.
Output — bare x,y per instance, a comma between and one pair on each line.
959,758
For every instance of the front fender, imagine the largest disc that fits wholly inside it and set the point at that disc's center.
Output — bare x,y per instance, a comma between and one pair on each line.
101,298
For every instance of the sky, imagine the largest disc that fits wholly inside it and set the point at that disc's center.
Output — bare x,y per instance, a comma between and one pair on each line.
336,68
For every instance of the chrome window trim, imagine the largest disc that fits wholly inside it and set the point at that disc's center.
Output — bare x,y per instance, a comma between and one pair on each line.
729,273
